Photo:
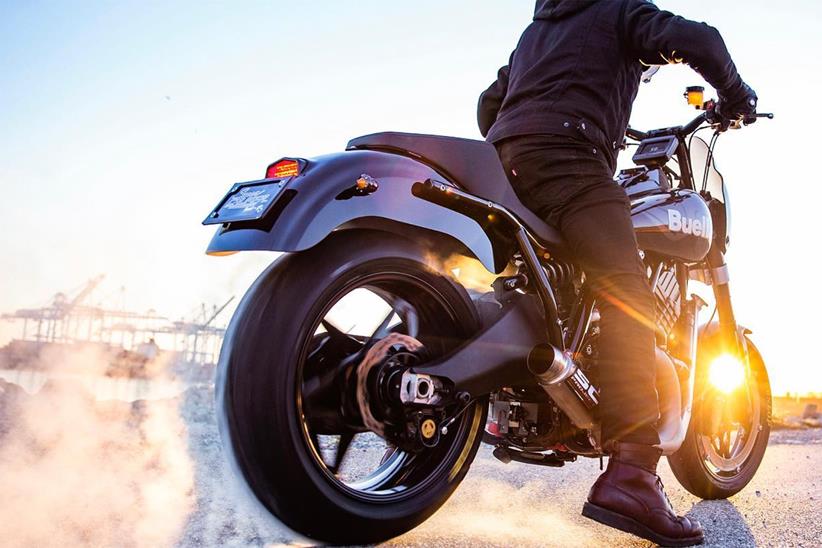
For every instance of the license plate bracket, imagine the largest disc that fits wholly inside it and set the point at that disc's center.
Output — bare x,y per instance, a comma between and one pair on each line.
247,202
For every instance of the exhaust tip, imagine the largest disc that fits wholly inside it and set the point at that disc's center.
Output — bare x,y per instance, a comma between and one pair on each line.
540,359
549,364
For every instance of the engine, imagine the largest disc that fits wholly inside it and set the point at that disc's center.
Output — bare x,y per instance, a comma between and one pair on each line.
668,297
526,419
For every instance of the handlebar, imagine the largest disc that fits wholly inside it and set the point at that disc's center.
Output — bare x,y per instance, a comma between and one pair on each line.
694,124
635,134
690,127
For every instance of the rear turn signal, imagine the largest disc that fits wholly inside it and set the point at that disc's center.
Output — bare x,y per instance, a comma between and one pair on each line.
283,169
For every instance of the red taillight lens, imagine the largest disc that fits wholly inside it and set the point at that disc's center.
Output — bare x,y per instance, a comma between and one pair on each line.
283,169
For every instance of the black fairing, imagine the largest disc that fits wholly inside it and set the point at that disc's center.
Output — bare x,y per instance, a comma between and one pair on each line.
676,223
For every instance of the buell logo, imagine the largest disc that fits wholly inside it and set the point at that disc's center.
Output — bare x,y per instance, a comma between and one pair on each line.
677,222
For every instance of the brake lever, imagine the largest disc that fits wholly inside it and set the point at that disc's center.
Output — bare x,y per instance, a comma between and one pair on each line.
751,119
742,121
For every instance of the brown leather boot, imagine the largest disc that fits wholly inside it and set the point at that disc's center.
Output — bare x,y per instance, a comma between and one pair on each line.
629,496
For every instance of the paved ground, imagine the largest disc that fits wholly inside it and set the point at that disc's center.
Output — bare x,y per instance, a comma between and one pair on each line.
521,505
507,505
497,504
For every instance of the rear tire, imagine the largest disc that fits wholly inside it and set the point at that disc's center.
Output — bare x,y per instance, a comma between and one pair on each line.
697,464
259,393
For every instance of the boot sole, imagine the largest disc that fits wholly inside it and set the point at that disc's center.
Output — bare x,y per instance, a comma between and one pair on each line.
630,525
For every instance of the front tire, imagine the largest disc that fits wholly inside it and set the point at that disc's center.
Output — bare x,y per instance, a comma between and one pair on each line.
265,421
714,466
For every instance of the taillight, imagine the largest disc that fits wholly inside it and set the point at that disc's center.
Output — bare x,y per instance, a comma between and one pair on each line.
283,169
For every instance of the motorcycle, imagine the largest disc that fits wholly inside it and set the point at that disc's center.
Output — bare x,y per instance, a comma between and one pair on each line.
359,374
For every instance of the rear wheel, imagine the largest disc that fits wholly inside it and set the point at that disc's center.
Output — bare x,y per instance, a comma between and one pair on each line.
286,380
728,434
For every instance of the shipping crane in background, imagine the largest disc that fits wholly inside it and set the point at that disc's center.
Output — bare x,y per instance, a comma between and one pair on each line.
200,339
73,318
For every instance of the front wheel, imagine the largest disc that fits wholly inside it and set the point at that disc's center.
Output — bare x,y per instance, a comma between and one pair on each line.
288,375
728,433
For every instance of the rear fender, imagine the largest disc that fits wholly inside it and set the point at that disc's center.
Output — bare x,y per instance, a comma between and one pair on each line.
321,200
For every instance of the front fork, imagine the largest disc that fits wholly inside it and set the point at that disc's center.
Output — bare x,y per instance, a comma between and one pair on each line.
731,340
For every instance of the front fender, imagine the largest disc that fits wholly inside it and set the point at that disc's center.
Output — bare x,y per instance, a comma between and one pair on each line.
320,200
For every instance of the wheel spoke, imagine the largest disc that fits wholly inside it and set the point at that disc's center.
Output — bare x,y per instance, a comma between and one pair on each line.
739,440
725,444
323,368
382,330
410,317
404,311
393,307
342,448
340,338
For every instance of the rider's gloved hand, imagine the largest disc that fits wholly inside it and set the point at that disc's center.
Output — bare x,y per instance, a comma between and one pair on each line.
737,104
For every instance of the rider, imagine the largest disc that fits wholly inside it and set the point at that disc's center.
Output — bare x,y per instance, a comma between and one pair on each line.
557,115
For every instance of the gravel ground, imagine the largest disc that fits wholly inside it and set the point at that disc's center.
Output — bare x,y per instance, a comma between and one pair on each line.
515,504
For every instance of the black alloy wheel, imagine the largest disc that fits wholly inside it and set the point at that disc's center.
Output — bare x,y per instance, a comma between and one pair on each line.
285,388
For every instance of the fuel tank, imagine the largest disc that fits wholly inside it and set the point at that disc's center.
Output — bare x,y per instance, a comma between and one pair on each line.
640,181
675,223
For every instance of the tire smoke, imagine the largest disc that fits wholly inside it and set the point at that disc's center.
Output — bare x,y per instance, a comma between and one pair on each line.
76,471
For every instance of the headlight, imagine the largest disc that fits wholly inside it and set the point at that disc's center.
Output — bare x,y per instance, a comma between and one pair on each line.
726,373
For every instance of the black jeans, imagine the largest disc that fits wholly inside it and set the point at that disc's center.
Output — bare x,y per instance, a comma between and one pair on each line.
570,184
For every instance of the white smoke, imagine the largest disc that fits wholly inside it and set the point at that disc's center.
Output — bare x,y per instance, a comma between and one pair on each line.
79,472
491,512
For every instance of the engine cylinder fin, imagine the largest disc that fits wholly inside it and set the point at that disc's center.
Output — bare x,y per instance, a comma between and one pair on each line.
668,297
559,273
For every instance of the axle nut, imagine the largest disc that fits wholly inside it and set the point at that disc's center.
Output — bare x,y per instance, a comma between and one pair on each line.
428,429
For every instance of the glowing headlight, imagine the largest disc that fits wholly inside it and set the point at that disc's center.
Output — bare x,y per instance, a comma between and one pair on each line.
727,373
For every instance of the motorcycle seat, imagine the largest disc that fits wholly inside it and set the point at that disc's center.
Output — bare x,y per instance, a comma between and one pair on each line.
472,165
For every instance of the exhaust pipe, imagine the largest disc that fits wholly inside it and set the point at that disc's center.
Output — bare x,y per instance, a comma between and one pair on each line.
565,383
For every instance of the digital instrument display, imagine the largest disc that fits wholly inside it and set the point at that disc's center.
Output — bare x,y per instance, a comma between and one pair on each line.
656,151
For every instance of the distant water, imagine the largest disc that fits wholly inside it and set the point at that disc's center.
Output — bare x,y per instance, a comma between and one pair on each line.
102,388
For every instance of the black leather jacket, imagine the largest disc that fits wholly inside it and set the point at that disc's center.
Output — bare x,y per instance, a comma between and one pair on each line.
577,67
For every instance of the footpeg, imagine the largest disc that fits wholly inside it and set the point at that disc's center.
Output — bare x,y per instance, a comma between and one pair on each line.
553,460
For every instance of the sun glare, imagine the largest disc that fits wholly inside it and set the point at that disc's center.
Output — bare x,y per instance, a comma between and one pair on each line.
726,373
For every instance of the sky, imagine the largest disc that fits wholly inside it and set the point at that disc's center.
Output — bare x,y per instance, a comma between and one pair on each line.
123,123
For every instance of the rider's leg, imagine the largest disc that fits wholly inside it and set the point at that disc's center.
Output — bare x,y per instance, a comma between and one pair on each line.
571,186
597,227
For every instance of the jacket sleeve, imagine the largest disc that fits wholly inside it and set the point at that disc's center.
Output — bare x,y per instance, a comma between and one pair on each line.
657,36
491,100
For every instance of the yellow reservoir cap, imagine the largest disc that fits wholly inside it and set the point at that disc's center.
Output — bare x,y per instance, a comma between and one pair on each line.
695,96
